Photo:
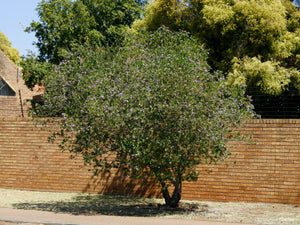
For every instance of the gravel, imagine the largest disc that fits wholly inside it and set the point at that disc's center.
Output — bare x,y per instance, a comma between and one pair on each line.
78,203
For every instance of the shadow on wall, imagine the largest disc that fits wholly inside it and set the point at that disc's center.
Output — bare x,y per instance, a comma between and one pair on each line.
115,183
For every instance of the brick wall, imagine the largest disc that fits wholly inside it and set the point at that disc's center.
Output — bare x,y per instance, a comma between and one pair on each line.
28,161
267,171
10,106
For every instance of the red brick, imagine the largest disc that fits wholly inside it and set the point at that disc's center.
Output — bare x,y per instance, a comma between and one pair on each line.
266,172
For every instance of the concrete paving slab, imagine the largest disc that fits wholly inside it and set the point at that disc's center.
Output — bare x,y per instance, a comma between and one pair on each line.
19,216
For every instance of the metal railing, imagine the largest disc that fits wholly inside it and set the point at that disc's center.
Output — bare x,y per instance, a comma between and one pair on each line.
284,106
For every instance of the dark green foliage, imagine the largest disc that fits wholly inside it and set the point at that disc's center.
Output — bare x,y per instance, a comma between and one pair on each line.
152,108
64,25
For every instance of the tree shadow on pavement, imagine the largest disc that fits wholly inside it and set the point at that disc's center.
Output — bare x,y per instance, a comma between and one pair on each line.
113,205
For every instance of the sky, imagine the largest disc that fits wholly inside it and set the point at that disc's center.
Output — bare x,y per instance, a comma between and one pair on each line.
15,15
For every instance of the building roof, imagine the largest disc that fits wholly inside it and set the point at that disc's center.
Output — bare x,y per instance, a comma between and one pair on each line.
9,74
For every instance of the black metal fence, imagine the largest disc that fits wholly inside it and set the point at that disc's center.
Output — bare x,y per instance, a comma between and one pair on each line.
284,106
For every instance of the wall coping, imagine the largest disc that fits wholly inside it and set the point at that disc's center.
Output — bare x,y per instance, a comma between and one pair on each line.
272,121
14,119
4,96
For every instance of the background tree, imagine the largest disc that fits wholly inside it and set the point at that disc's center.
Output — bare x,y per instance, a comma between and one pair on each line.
34,70
153,109
263,77
66,24
162,12
7,49
113,18
264,30
62,24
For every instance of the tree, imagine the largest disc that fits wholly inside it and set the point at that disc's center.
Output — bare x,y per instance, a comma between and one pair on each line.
62,24
113,18
260,29
263,77
162,12
152,109
7,49
66,24
34,70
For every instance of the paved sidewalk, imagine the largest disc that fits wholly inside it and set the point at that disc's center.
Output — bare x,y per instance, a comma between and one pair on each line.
41,217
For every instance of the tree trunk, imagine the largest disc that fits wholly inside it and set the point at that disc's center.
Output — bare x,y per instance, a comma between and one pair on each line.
176,196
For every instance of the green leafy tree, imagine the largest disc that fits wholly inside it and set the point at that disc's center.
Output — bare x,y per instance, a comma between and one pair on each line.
152,109
62,24
7,49
260,29
34,70
263,77
162,12
66,24
113,18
